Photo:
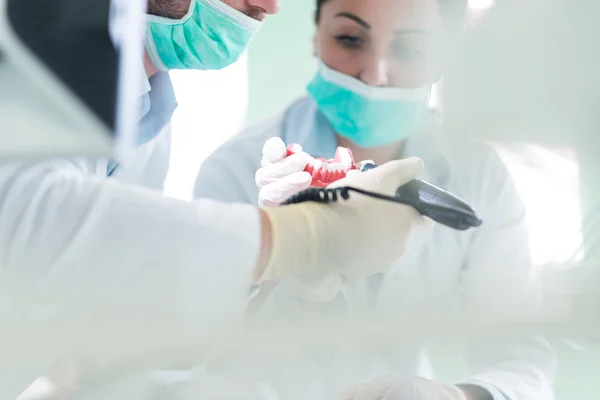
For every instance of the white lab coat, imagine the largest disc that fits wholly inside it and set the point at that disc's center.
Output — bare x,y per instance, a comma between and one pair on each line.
96,267
439,272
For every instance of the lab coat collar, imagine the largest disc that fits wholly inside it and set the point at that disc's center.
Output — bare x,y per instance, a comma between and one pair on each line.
306,125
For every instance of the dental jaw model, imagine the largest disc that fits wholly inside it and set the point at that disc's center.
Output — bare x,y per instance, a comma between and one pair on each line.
323,171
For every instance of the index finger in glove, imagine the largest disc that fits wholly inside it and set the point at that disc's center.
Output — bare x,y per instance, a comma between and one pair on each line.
279,191
274,150
272,173
386,178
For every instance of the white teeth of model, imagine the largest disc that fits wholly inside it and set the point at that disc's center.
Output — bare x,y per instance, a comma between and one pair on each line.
334,167
346,159
346,162
317,164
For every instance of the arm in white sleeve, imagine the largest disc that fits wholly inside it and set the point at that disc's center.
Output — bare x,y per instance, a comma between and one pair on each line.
90,247
499,280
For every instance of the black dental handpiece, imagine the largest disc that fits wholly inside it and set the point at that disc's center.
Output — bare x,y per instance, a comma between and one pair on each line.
435,203
430,201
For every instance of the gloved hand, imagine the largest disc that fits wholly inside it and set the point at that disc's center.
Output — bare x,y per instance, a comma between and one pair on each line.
404,388
279,177
358,237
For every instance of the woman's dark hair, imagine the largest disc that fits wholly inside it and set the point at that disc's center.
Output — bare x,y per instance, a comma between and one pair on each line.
453,11
318,12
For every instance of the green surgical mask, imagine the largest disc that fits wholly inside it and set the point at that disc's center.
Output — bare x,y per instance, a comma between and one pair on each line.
369,116
211,36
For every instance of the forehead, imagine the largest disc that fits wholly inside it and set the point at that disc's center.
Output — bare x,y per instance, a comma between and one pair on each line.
395,14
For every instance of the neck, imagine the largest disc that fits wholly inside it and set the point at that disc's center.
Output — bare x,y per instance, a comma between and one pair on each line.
380,155
149,66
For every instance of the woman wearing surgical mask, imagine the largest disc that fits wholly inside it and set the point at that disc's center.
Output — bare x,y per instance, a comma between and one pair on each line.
376,64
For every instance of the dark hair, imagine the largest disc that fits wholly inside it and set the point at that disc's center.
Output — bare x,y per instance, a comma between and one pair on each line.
174,9
453,11
318,12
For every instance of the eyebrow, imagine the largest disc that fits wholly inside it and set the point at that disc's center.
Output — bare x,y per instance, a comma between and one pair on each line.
354,18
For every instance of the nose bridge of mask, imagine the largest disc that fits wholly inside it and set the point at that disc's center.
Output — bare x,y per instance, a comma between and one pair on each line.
392,94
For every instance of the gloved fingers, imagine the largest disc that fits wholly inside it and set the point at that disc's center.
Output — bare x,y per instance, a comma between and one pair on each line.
352,174
391,175
277,192
275,172
386,178
274,150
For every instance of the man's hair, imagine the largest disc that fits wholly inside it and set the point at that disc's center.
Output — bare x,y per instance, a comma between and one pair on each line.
454,12
174,9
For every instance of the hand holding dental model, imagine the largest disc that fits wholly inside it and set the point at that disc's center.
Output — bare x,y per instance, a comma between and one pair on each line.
429,200
357,237
288,170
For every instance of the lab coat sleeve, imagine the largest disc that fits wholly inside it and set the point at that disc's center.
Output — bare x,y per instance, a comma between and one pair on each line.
87,246
499,280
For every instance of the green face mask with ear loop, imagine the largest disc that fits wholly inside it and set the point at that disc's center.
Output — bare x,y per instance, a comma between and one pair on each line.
211,36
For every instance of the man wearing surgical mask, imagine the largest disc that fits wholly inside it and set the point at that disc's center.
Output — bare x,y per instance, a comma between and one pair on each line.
175,40
376,64
89,251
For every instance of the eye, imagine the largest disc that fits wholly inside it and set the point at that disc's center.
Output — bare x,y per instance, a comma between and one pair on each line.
352,42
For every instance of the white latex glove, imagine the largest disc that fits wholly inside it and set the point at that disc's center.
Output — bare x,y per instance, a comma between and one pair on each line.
279,177
404,388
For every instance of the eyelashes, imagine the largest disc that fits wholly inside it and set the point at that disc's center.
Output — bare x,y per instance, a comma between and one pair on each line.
349,41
